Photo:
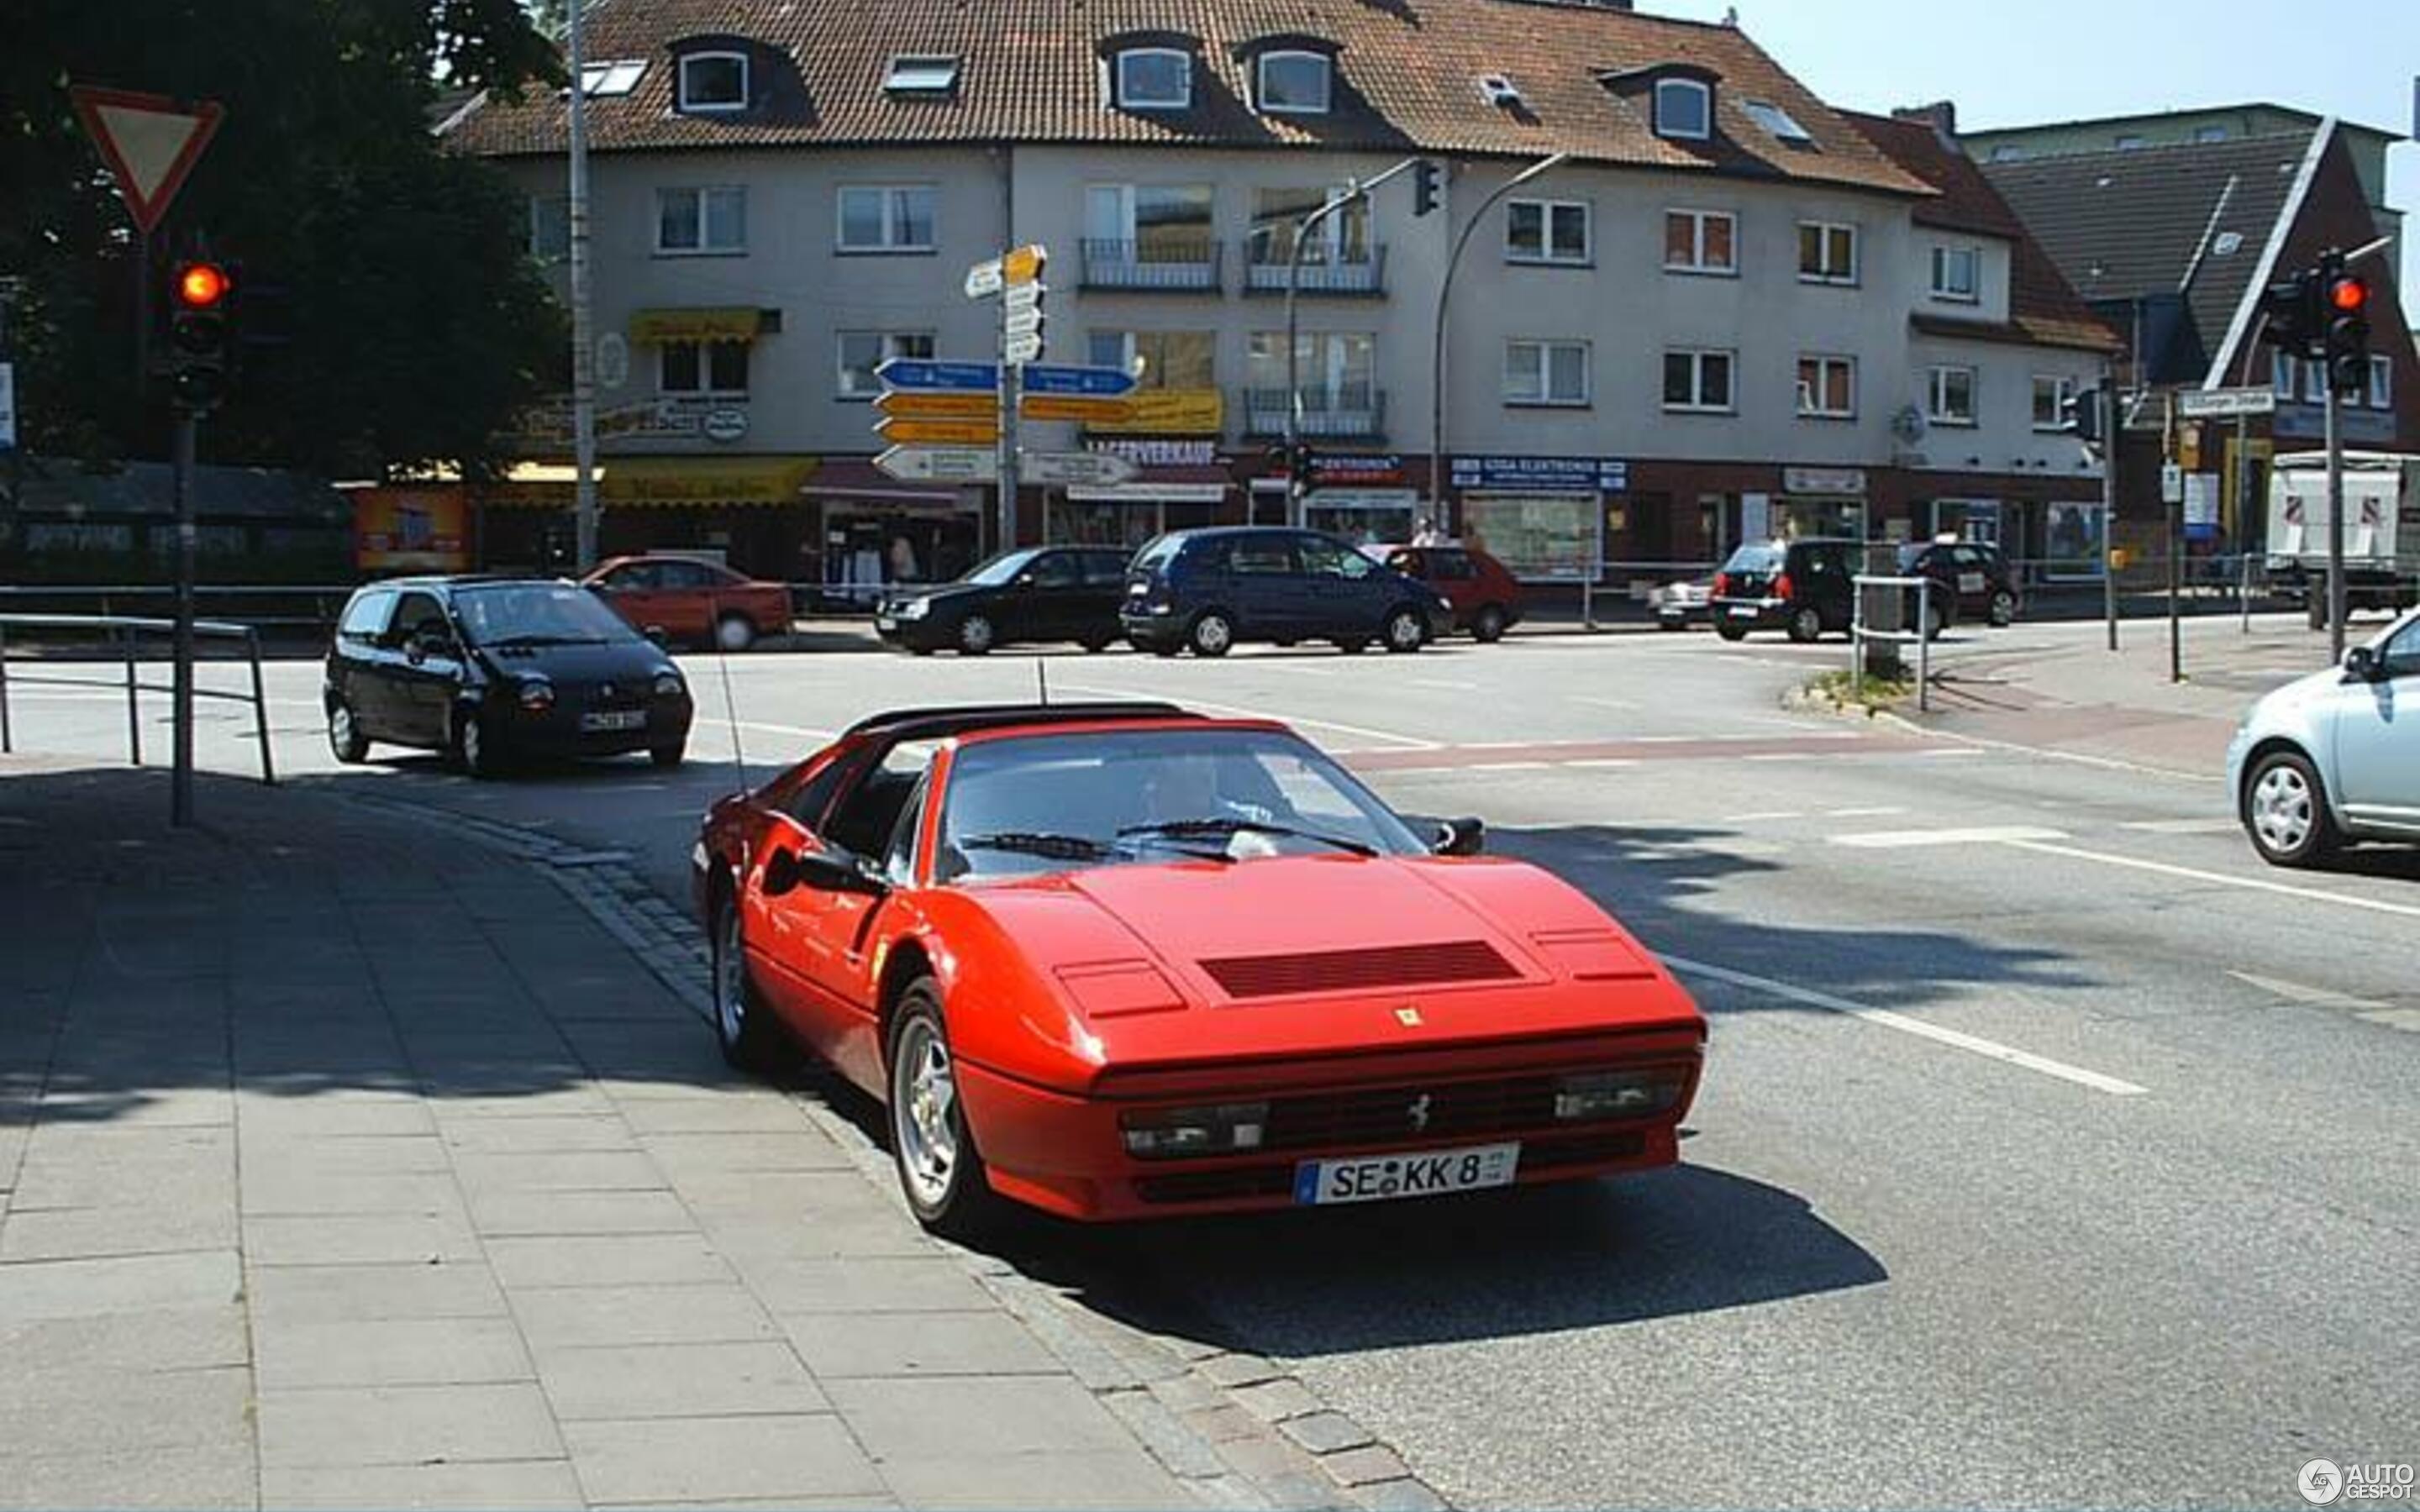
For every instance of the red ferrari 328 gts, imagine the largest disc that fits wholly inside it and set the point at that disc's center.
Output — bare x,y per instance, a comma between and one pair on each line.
1119,961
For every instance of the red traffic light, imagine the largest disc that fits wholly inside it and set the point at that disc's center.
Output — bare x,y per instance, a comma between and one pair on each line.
2350,295
201,285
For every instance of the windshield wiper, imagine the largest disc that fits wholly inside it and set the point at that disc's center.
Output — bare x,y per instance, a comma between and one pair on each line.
1035,842
1211,828
540,638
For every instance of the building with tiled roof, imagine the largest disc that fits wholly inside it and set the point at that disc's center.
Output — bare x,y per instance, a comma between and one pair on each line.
1720,314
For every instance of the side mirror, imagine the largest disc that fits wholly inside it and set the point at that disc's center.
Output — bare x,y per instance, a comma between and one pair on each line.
1460,836
657,634
1026,579
787,871
2361,665
431,643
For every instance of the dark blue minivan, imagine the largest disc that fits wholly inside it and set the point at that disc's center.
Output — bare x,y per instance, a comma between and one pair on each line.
1211,589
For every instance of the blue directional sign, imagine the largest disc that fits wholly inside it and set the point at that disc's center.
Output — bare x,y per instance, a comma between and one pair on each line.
1088,382
939,377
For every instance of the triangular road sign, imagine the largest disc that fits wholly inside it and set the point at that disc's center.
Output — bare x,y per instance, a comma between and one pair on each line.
150,143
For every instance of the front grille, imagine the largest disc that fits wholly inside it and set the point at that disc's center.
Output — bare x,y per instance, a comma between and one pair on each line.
1362,970
1446,1113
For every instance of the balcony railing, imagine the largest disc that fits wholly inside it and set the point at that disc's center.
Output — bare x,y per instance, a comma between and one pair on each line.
1351,411
1187,265
1356,272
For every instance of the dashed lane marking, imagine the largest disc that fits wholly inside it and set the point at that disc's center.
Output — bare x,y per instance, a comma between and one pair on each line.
1899,839
2206,826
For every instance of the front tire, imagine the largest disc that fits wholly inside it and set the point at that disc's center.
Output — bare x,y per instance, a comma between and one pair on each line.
1213,634
474,749
1807,626
747,1035
735,632
940,1172
1489,625
1406,631
346,741
2003,611
976,636
669,757
1729,631
2286,811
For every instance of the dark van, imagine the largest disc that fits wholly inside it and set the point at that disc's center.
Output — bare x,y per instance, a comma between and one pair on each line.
1210,588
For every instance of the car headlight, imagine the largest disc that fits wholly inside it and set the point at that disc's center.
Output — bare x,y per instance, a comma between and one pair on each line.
536,694
669,686
1618,1094
915,608
1168,1134
1444,603
1163,609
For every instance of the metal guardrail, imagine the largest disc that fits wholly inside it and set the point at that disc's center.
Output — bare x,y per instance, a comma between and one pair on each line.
1860,632
269,607
125,632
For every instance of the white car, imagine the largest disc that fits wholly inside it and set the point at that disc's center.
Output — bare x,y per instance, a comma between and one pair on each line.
2334,756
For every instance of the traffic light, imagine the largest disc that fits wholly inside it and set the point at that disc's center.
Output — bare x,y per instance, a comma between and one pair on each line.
2348,332
2292,307
201,335
1424,186
2079,415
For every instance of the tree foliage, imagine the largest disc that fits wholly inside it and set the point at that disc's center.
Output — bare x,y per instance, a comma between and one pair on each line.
413,323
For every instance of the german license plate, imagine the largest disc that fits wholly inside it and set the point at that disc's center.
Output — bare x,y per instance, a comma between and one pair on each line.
1422,1173
615,720
1742,612
884,621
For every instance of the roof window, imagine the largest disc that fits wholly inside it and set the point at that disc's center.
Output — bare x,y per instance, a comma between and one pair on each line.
922,74
1293,82
1499,89
603,80
1153,78
1684,108
713,82
1779,122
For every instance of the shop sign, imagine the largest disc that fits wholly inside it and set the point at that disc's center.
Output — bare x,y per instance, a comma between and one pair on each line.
2309,422
547,425
1396,499
409,529
1549,474
1329,469
1823,480
1148,493
725,425
1163,453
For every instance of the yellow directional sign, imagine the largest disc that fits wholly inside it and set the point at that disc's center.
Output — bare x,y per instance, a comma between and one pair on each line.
923,405
1024,265
940,432
1169,412
1092,411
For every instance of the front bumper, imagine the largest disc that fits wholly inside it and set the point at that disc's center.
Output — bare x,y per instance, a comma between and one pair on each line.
563,729
923,633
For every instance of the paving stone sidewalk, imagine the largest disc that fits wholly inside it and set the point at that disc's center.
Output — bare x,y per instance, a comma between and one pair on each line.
345,1163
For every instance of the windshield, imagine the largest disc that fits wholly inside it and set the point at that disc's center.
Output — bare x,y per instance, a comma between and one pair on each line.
1047,803
1754,559
537,614
1000,570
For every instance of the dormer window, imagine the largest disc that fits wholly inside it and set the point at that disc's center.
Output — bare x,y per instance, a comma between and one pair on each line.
1684,108
714,82
1294,84
1153,78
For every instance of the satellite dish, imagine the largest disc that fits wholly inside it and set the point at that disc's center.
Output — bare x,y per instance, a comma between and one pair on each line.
1908,424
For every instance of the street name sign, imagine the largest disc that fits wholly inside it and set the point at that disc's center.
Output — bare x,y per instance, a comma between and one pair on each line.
931,376
918,404
1084,469
1084,410
940,432
1021,348
1025,322
150,143
938,464
1024,297
1024,265
983,280
1097,382
2200,404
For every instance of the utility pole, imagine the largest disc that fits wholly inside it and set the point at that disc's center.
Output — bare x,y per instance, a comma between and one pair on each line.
2112,416
2176,515
1437,351
2336,606
180,778
584,345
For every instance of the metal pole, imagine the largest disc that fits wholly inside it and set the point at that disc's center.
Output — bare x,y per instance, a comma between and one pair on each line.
2336,606
142,314
1011,388
1293,364
2110,411
180,780
1924,644
125,638
260,710
2175,516
584,345
1437,356
8,737
2243,592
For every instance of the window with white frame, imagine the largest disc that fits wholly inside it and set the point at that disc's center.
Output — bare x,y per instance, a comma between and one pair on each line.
606,80
1827,387
2050,396
862,351
718,368
714,81
1958,274
1684,108
550,227
1698,380
1293,84
2315,381
1167,359
1547,372
1701,241
1153,78
1546,231
887,217
701,220
1827,252
2282,374
1149,222
1949,395
2381,381
922,73
1337,369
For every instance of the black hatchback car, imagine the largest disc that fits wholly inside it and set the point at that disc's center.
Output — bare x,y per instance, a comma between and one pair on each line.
1806,587
1210,588
1974,576
489,669
1036,594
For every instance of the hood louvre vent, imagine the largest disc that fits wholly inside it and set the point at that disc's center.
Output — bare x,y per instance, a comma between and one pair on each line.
1383,967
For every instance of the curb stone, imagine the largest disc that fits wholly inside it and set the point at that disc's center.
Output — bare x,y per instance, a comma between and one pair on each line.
1183,1399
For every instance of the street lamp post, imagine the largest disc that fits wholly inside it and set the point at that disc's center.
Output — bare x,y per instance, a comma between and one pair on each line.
583,348
1436,363
1302,231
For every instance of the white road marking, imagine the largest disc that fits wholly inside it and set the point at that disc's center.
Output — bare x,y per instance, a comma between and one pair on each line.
1407,742
1861,814
1951,751
1770,816
1885,1018
2218,825
2188,873
1509,766
2294,992
1603,762
1899,839
1604,704
1446,683
1783,756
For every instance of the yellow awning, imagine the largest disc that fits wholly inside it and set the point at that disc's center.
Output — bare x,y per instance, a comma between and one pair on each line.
661,483
728,324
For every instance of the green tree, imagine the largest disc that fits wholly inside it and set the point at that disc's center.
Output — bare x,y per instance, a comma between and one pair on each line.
413,325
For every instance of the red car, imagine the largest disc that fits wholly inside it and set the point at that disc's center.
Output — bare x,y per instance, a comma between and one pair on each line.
1485,595
1119,961
693,601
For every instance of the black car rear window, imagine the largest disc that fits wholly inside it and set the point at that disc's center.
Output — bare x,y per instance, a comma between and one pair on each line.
1754,559
1156,555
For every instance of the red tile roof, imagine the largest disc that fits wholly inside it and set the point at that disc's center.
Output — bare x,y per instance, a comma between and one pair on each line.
1408,79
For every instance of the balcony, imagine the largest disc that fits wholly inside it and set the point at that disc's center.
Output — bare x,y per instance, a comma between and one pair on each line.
1355,272
1350,411
1178,265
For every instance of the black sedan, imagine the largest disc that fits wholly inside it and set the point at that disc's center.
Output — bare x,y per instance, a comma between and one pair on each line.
487,670
1036,594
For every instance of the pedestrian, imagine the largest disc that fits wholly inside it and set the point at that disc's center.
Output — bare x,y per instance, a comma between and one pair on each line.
1425,533
902,560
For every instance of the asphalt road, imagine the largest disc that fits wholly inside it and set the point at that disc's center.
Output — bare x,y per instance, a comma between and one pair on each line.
2053,1151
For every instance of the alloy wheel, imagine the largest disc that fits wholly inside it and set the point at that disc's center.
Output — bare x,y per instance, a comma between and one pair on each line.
730,980
976,635
923,1113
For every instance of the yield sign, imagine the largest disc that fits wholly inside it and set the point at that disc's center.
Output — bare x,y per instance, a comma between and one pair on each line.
150,143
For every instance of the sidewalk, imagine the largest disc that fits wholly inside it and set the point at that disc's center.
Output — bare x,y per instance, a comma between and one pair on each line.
345,1163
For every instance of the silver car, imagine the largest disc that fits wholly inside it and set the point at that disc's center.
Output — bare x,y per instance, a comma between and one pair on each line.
2334,756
